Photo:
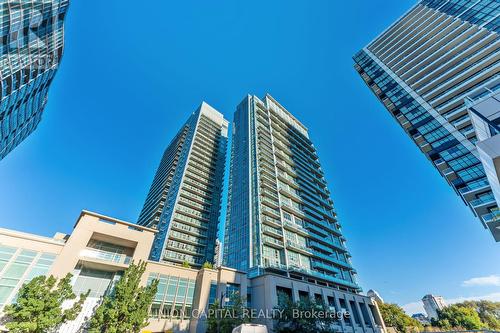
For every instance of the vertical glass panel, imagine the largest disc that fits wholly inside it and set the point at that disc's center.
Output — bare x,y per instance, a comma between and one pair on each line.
15,270
5,293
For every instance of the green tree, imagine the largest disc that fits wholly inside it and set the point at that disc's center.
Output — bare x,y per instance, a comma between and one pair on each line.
458,317
224,319
38,305
186,264
394,316
126,309
489,312
286,320
208,265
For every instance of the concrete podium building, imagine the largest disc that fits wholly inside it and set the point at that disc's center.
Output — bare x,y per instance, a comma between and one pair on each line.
32,34
101,247
425,68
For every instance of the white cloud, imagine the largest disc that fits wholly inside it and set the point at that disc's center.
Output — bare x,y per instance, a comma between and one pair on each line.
417,307
414,307
492,280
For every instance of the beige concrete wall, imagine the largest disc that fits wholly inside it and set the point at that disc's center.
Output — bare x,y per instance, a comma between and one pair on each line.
92,225
264,296
30,241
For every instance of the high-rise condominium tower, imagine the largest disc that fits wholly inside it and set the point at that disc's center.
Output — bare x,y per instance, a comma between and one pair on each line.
433,304
280,217
184,200
32,36
424,68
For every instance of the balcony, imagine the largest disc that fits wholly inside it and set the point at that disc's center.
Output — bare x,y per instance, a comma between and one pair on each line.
320,246
336,280
296,228
324,266
332,259
272,231
318,230
489,199
491,217
274,264
298,247
270,202
474,186
117,258
270,221
269,211
272,241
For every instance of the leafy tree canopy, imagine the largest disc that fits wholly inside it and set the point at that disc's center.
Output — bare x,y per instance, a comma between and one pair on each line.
458,317
38,305
224,319
126,310
291,316
394,316
489,312
208,265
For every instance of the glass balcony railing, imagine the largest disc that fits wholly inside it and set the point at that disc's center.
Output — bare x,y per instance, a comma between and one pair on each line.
344,263
336,280
474,186
118,258
491,217
482,201
296,227
272,241
274,264
320,246
297,246
273,231
324,266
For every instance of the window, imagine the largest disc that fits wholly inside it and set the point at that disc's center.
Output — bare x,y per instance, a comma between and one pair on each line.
174,296
212,296
232,290
303,295
95,280
283,294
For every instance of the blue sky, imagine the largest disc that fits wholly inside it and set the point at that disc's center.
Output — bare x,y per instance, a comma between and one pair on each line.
132,73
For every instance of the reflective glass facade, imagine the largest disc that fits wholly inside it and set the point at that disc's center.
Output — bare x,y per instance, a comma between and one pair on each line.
19,266
424,68
32,36
184,200
174,297
280,216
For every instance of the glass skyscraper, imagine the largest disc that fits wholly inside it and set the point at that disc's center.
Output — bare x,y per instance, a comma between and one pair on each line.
425,68
184,200
280,217
32,34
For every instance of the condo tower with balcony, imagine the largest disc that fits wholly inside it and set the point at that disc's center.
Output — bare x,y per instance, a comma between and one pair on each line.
426,68
184,200
280,217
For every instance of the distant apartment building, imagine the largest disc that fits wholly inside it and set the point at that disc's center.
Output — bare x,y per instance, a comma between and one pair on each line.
184,200
433,304
425,68
423,319
32,34
100,248
218,253
280,217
